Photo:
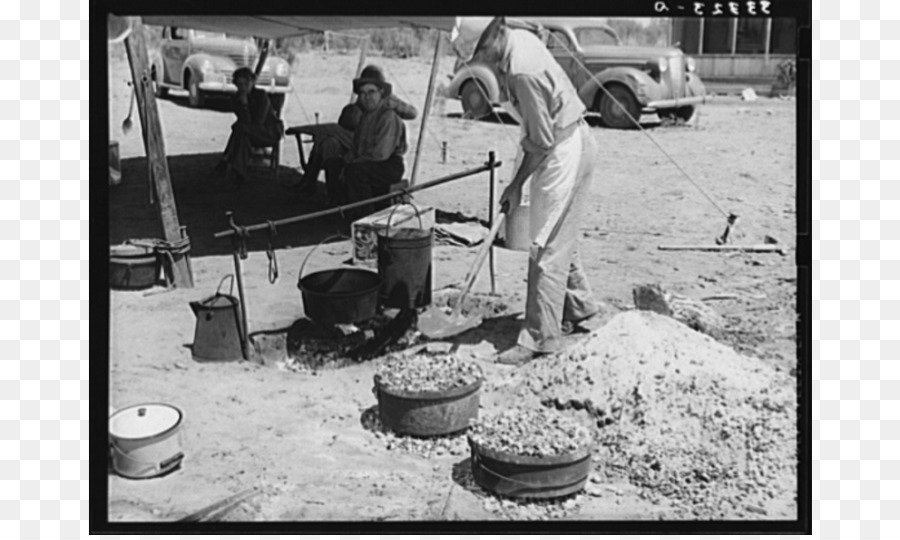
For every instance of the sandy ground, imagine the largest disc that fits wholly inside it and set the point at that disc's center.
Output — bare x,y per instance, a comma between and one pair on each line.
301,436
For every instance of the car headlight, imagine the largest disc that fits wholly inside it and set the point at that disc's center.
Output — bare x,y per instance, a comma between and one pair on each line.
206,67
689,64
281,69
662,64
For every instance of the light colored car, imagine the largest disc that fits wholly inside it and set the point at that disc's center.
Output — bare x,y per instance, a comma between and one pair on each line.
642,79
202,63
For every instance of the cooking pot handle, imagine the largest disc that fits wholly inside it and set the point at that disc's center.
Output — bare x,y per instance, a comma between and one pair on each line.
308,255
387,231
231,289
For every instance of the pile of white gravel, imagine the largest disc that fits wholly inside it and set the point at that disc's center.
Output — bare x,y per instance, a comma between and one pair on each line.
680,415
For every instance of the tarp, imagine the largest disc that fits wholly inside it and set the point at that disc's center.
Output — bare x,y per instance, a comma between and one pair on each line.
282,26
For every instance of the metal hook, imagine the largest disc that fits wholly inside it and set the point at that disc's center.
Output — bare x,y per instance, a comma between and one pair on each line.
270,253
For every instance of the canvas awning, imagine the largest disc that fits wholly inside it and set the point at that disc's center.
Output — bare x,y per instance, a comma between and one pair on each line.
282,26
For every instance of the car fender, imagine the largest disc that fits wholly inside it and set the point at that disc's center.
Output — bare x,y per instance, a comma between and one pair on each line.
695,86
195,61
482,74
644,88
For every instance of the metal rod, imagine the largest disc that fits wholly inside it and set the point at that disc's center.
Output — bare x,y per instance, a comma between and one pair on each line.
338,209
359,67
427,111
490,163
245,330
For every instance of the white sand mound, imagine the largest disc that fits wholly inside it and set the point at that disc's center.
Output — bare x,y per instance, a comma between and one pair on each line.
681,415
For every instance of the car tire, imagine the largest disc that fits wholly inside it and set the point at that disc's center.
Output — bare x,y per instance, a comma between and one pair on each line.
196,99
612,115
475,101
685,113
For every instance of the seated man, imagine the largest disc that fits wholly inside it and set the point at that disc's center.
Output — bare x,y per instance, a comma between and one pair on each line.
257,125
375,161
337,142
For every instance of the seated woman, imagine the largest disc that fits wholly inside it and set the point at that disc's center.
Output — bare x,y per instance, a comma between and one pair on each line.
337,142
257,125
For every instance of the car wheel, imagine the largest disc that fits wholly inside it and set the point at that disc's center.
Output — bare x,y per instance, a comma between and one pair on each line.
475,101
159,90
685,114
195,96
615,116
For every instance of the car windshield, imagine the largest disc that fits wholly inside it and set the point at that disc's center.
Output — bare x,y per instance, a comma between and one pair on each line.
595,36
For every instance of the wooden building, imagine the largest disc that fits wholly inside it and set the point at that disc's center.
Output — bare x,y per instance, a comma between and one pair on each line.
734,53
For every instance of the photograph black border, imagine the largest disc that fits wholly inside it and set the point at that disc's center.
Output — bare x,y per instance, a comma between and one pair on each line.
100,294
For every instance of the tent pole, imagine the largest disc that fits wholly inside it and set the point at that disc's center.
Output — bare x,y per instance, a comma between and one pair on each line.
263,54
427,111
362,62
154,145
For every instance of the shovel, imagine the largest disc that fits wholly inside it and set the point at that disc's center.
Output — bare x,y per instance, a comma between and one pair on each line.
436,324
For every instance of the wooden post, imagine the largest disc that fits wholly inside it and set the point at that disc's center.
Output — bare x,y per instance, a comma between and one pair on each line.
700,40
734,30
262,58
427,111
491,160
154,145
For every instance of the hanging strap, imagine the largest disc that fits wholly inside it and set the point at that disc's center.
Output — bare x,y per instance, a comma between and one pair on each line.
169,250
270,253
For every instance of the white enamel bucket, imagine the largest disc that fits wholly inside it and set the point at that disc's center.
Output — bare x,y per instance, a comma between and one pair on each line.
145,440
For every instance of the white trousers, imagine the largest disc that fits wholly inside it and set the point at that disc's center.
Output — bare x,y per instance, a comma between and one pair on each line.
558,288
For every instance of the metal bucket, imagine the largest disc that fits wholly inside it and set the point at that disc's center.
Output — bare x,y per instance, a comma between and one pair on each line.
529,476
133,267
428,413
145,440
218,335
338,296
517,235
404,264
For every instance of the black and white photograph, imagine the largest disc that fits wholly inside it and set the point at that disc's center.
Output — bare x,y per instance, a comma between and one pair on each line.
433,271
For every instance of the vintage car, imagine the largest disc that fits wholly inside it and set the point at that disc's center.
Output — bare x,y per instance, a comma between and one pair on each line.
202,63
642,79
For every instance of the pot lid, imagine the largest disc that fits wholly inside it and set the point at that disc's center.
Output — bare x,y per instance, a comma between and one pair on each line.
142,421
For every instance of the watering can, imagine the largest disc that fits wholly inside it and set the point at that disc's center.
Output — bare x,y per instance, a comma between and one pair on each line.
218,336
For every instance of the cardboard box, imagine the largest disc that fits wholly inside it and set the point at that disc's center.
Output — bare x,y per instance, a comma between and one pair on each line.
365,231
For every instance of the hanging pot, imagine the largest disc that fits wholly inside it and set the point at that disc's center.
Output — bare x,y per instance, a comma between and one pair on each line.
338,296
404,264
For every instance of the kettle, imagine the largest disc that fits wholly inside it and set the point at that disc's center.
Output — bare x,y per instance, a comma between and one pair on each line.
218,336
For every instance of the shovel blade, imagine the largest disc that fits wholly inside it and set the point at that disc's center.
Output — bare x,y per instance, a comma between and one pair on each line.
436,324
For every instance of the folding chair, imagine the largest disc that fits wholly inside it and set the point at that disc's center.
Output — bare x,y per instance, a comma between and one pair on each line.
268,157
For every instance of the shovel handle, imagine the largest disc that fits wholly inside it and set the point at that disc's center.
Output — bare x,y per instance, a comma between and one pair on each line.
479,260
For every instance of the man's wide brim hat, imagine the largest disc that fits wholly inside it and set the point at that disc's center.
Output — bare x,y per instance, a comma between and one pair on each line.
372,75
